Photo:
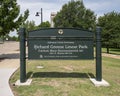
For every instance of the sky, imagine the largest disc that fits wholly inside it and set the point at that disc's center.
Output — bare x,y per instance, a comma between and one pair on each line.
100,7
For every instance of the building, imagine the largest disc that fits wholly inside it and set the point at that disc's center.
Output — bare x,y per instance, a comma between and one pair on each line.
53,14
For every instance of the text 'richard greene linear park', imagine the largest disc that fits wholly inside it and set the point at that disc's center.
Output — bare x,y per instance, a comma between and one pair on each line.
47,49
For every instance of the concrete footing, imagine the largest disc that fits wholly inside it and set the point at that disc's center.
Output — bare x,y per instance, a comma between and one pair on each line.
99,83
27,83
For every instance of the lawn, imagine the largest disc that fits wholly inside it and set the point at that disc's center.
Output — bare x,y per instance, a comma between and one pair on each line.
112,51
68,78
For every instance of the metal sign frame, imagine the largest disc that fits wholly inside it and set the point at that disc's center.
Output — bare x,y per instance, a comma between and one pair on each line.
51,34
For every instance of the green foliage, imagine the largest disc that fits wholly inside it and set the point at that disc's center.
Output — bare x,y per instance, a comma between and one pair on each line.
13,38
74,14
30,25
10,19
44,25
110,24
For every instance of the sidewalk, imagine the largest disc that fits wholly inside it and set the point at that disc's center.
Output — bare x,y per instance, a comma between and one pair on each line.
9,63
4,82
111,55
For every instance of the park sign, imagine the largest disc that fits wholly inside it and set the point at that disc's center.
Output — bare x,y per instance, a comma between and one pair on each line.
60,43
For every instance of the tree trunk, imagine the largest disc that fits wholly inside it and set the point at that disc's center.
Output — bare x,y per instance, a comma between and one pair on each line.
108,49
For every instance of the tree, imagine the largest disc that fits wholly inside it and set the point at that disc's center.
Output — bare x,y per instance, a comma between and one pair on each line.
110,24
10,19
74,14
44,25
30,25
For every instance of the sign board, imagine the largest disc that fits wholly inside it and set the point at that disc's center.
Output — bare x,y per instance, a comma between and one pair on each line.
56,43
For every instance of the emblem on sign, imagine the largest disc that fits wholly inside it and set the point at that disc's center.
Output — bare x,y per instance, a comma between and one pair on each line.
60,31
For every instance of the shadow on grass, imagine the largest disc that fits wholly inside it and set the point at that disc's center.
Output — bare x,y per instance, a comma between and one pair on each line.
29,75
111,53
59,75
116,50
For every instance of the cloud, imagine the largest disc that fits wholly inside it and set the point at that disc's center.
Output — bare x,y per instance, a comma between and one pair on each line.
100,7
44,1
34,6
41,1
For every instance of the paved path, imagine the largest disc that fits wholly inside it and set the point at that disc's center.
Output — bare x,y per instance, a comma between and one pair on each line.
4,82
111,55
9,62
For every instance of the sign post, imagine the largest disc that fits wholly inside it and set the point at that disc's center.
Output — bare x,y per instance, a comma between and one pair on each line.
98,55
22,55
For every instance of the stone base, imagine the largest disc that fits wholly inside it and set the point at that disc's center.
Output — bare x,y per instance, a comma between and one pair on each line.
99,83
27,83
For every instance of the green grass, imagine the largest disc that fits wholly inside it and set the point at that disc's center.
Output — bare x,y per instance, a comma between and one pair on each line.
112,51
68,78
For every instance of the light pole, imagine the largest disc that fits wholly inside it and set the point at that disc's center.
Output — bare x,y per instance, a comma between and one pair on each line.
37,14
